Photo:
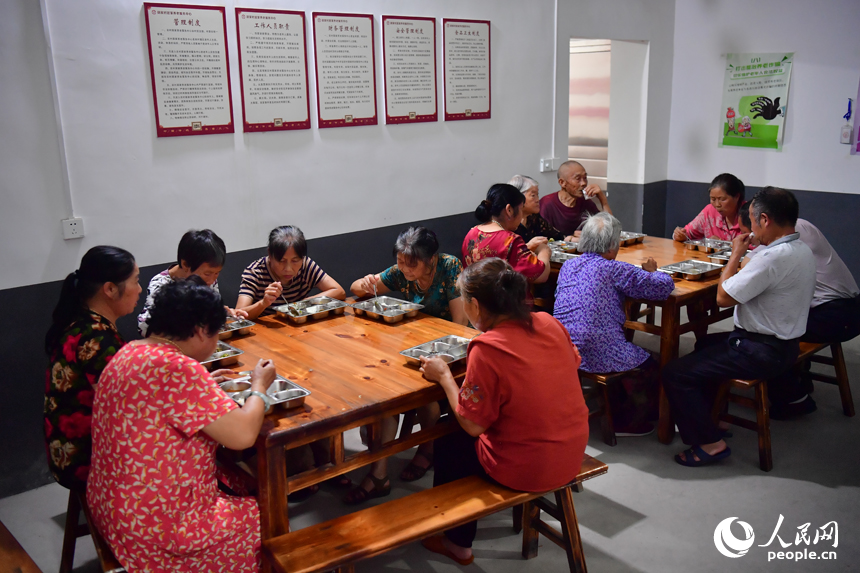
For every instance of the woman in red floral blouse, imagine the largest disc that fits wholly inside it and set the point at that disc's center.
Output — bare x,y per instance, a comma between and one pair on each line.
80,342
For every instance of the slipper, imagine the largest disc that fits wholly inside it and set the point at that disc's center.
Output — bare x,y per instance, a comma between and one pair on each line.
359,495
436,545
704,457
340,482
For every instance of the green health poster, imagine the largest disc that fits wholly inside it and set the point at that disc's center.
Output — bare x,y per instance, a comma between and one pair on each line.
755,99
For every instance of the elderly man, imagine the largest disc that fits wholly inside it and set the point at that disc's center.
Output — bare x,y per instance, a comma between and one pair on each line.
771,296
590,303
835,312
568,209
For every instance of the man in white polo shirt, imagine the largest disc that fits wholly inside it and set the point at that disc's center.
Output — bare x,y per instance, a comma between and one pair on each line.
771,296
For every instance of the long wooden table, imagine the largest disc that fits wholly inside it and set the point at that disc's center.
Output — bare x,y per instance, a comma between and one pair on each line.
353,368
703,294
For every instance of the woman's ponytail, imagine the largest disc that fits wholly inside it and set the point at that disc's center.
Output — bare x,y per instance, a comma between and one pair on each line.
499,196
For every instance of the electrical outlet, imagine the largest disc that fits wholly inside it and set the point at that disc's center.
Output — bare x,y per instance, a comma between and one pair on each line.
549,164
73,228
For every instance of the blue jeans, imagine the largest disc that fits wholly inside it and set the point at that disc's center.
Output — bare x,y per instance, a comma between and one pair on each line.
691,382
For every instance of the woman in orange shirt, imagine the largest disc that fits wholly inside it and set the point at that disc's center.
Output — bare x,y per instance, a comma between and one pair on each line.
523,418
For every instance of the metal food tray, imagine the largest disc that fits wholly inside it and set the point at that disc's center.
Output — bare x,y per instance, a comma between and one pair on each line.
235,326
224,355
721,257
282,392
451,349
317,307
708,245
564,246
628,239
387,308
692,270
561,257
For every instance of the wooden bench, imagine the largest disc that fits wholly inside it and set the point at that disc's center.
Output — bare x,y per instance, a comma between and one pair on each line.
759,402
74,530
13,558
338,543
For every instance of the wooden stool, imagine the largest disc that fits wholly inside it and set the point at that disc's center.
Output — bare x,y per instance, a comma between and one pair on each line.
759,401
841,379
73,530
13,558
599,391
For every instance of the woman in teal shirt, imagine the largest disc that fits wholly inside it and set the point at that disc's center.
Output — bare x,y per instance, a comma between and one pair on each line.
425,276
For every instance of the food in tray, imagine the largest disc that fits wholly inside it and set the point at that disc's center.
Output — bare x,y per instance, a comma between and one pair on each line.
692,270
450,348
707,245
317,307
224,354
235,326
284,393
387,308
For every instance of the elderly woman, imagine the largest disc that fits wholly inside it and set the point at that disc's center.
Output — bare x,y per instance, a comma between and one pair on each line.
533,224
81,341
425,276
590,303
159,417
285,275
523,420
500,214
719,220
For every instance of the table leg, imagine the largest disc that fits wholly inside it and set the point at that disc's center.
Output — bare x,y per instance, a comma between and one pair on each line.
272,494
669,342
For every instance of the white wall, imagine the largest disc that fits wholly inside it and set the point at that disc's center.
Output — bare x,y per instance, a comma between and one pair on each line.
826,69
140,192
651,21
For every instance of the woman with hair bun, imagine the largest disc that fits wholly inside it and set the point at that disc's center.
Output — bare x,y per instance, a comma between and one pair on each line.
523,418
82,339
500,214
158,419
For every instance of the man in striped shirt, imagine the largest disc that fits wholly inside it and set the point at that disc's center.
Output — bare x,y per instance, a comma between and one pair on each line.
285,275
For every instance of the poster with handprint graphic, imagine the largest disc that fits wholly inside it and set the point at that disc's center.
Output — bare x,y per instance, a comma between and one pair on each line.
755,100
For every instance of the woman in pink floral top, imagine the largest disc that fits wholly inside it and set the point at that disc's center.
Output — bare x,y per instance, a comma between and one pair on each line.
81,341
500,214
719,220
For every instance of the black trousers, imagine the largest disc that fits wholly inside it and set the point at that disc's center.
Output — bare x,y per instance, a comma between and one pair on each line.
691,381
455,458
834,321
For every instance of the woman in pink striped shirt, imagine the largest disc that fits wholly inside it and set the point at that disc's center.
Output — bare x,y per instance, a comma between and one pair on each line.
719,220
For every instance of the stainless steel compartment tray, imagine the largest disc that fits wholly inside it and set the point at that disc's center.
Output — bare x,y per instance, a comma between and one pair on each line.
628,238
387,308
224,355
708,245
450,348
721,257
692,270
235,326
564,246
317,307
284,393
560,256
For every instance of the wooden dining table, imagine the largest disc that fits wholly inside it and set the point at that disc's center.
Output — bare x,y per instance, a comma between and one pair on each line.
356,375
698,296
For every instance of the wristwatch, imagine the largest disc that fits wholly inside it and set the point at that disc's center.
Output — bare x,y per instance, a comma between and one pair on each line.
266,400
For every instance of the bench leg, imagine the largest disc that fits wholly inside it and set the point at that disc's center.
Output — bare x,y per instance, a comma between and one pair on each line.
606,425
518,518
73,514
765,457
570,531
531,515
842,379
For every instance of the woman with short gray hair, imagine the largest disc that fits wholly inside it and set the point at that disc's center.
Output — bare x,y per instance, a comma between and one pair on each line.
533,225
589,302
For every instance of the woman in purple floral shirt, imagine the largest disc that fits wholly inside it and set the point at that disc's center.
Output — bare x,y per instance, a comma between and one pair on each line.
79,344
590,304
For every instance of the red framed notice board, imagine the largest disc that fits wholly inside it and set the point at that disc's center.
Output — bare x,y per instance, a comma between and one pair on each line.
409,56
467,69
273,66
345,69
190,70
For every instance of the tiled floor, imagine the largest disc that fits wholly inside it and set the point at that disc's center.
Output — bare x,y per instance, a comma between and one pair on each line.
647,514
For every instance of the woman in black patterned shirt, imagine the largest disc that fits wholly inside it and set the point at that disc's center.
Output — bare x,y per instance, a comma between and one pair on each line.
533,225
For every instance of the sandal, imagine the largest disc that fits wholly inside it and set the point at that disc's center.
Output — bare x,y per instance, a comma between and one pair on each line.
436,545
704,457
303,494
340,482
413,471
359,495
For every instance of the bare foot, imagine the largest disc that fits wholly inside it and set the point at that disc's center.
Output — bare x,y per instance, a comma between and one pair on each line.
710,449
456,550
